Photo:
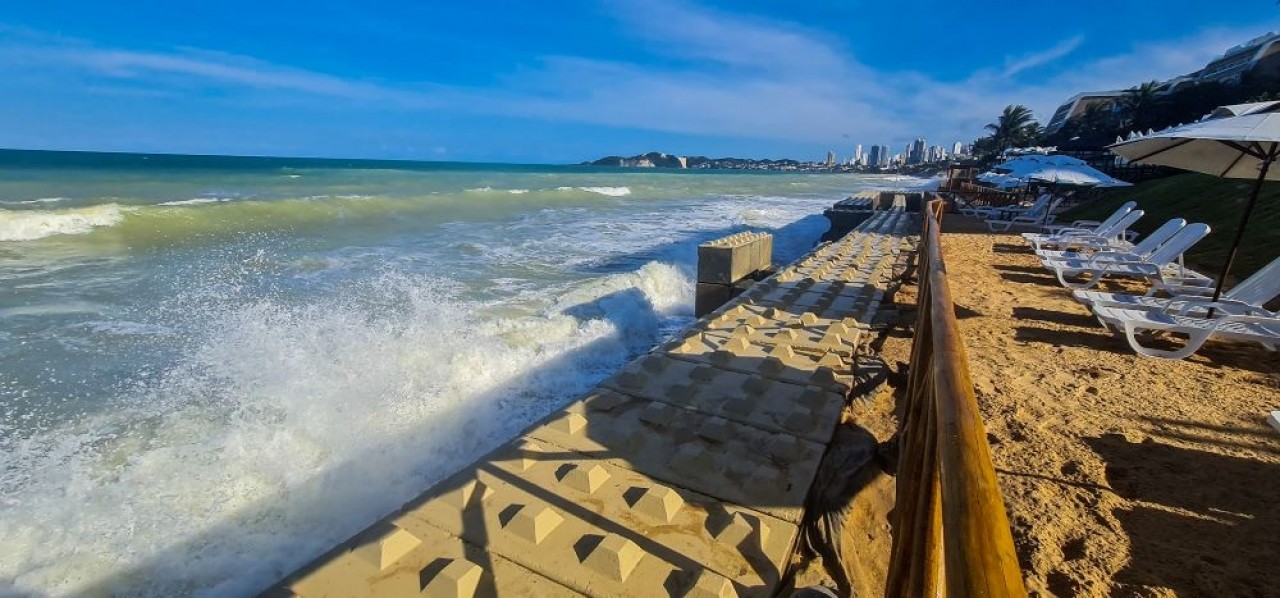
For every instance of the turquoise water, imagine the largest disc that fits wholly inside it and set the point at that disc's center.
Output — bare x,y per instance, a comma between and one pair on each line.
212,369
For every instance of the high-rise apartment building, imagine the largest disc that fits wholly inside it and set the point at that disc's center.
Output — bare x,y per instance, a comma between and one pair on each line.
917,152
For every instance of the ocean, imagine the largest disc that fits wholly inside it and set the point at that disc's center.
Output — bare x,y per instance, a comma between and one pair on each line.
212,369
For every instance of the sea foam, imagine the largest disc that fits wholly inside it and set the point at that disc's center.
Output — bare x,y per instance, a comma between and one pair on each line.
27,225
610,191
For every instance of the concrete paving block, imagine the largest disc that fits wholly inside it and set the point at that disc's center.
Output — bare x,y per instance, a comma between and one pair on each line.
692,531
389,560
771,405
541,531
829,370
741,464
803,330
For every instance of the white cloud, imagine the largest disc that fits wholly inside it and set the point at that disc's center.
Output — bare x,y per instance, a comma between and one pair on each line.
1013,66
723,75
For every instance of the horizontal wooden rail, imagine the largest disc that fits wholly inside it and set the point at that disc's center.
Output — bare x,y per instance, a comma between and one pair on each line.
951,537
976,195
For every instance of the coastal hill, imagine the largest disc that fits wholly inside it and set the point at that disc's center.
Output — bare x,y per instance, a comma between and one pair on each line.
663,160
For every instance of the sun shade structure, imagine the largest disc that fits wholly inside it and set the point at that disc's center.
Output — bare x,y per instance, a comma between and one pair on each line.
1238,142
1054,170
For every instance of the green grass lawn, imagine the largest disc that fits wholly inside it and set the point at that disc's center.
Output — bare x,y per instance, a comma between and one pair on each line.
1201,198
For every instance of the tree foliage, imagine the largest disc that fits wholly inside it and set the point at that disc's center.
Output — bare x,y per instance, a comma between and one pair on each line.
1015,127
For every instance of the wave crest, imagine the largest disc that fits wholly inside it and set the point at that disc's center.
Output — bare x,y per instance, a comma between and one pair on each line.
28,225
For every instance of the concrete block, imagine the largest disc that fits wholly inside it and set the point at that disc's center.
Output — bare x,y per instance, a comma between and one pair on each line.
390,560
769,471
733,258
751,399
1273,418
743,352
630,535
709,297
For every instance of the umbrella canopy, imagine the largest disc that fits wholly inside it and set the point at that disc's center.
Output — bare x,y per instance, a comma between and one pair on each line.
1242,109
1054,170
1243,146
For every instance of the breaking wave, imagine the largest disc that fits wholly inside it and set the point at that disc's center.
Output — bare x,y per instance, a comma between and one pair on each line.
28,225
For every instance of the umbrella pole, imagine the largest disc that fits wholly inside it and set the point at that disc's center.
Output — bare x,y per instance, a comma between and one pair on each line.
1244,221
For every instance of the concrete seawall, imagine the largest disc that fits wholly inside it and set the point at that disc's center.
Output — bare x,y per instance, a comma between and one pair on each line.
685,474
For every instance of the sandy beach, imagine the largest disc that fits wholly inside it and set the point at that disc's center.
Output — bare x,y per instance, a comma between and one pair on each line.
1122,475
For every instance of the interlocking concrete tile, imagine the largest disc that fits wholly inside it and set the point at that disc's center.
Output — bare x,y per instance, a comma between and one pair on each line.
388,560
744,545
533,526
766,471
778,406
739,351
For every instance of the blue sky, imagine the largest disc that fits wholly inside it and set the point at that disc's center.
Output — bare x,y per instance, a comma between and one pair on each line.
567,81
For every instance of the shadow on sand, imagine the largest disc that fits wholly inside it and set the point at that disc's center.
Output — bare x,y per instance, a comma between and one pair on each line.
1201,524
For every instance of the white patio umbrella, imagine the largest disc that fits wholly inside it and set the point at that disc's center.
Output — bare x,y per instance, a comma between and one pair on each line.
1243,142
1054,170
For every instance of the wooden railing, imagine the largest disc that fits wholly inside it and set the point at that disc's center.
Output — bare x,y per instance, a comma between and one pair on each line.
951,535
974,194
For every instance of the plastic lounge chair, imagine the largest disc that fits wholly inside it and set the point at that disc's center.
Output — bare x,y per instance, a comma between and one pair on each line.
1123,209
1108,238
1027,220
1261,329
1246,298
987,212
1157,265
1040,240
1089,245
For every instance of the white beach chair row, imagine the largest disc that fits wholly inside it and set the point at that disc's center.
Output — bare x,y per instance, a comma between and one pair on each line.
1179,300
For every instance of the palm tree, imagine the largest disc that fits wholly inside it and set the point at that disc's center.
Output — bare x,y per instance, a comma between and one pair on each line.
1139,104
1015,126
1098,118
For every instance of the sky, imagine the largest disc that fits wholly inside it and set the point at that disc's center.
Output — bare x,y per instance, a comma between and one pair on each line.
566,81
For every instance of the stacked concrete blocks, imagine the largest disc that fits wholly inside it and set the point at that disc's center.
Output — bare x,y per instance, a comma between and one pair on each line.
726,267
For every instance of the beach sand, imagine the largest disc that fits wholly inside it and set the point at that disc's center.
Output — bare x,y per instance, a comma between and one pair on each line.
1123,476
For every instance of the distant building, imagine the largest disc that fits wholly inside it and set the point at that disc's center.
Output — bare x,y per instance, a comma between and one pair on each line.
917,152
1076,105
857,154
1261,53
957,149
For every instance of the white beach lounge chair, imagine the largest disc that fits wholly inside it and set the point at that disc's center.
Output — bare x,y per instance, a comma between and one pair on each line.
1261,329
1087,246
1025,220
1246,298
987,212
1160,264
1079,227
1123,209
